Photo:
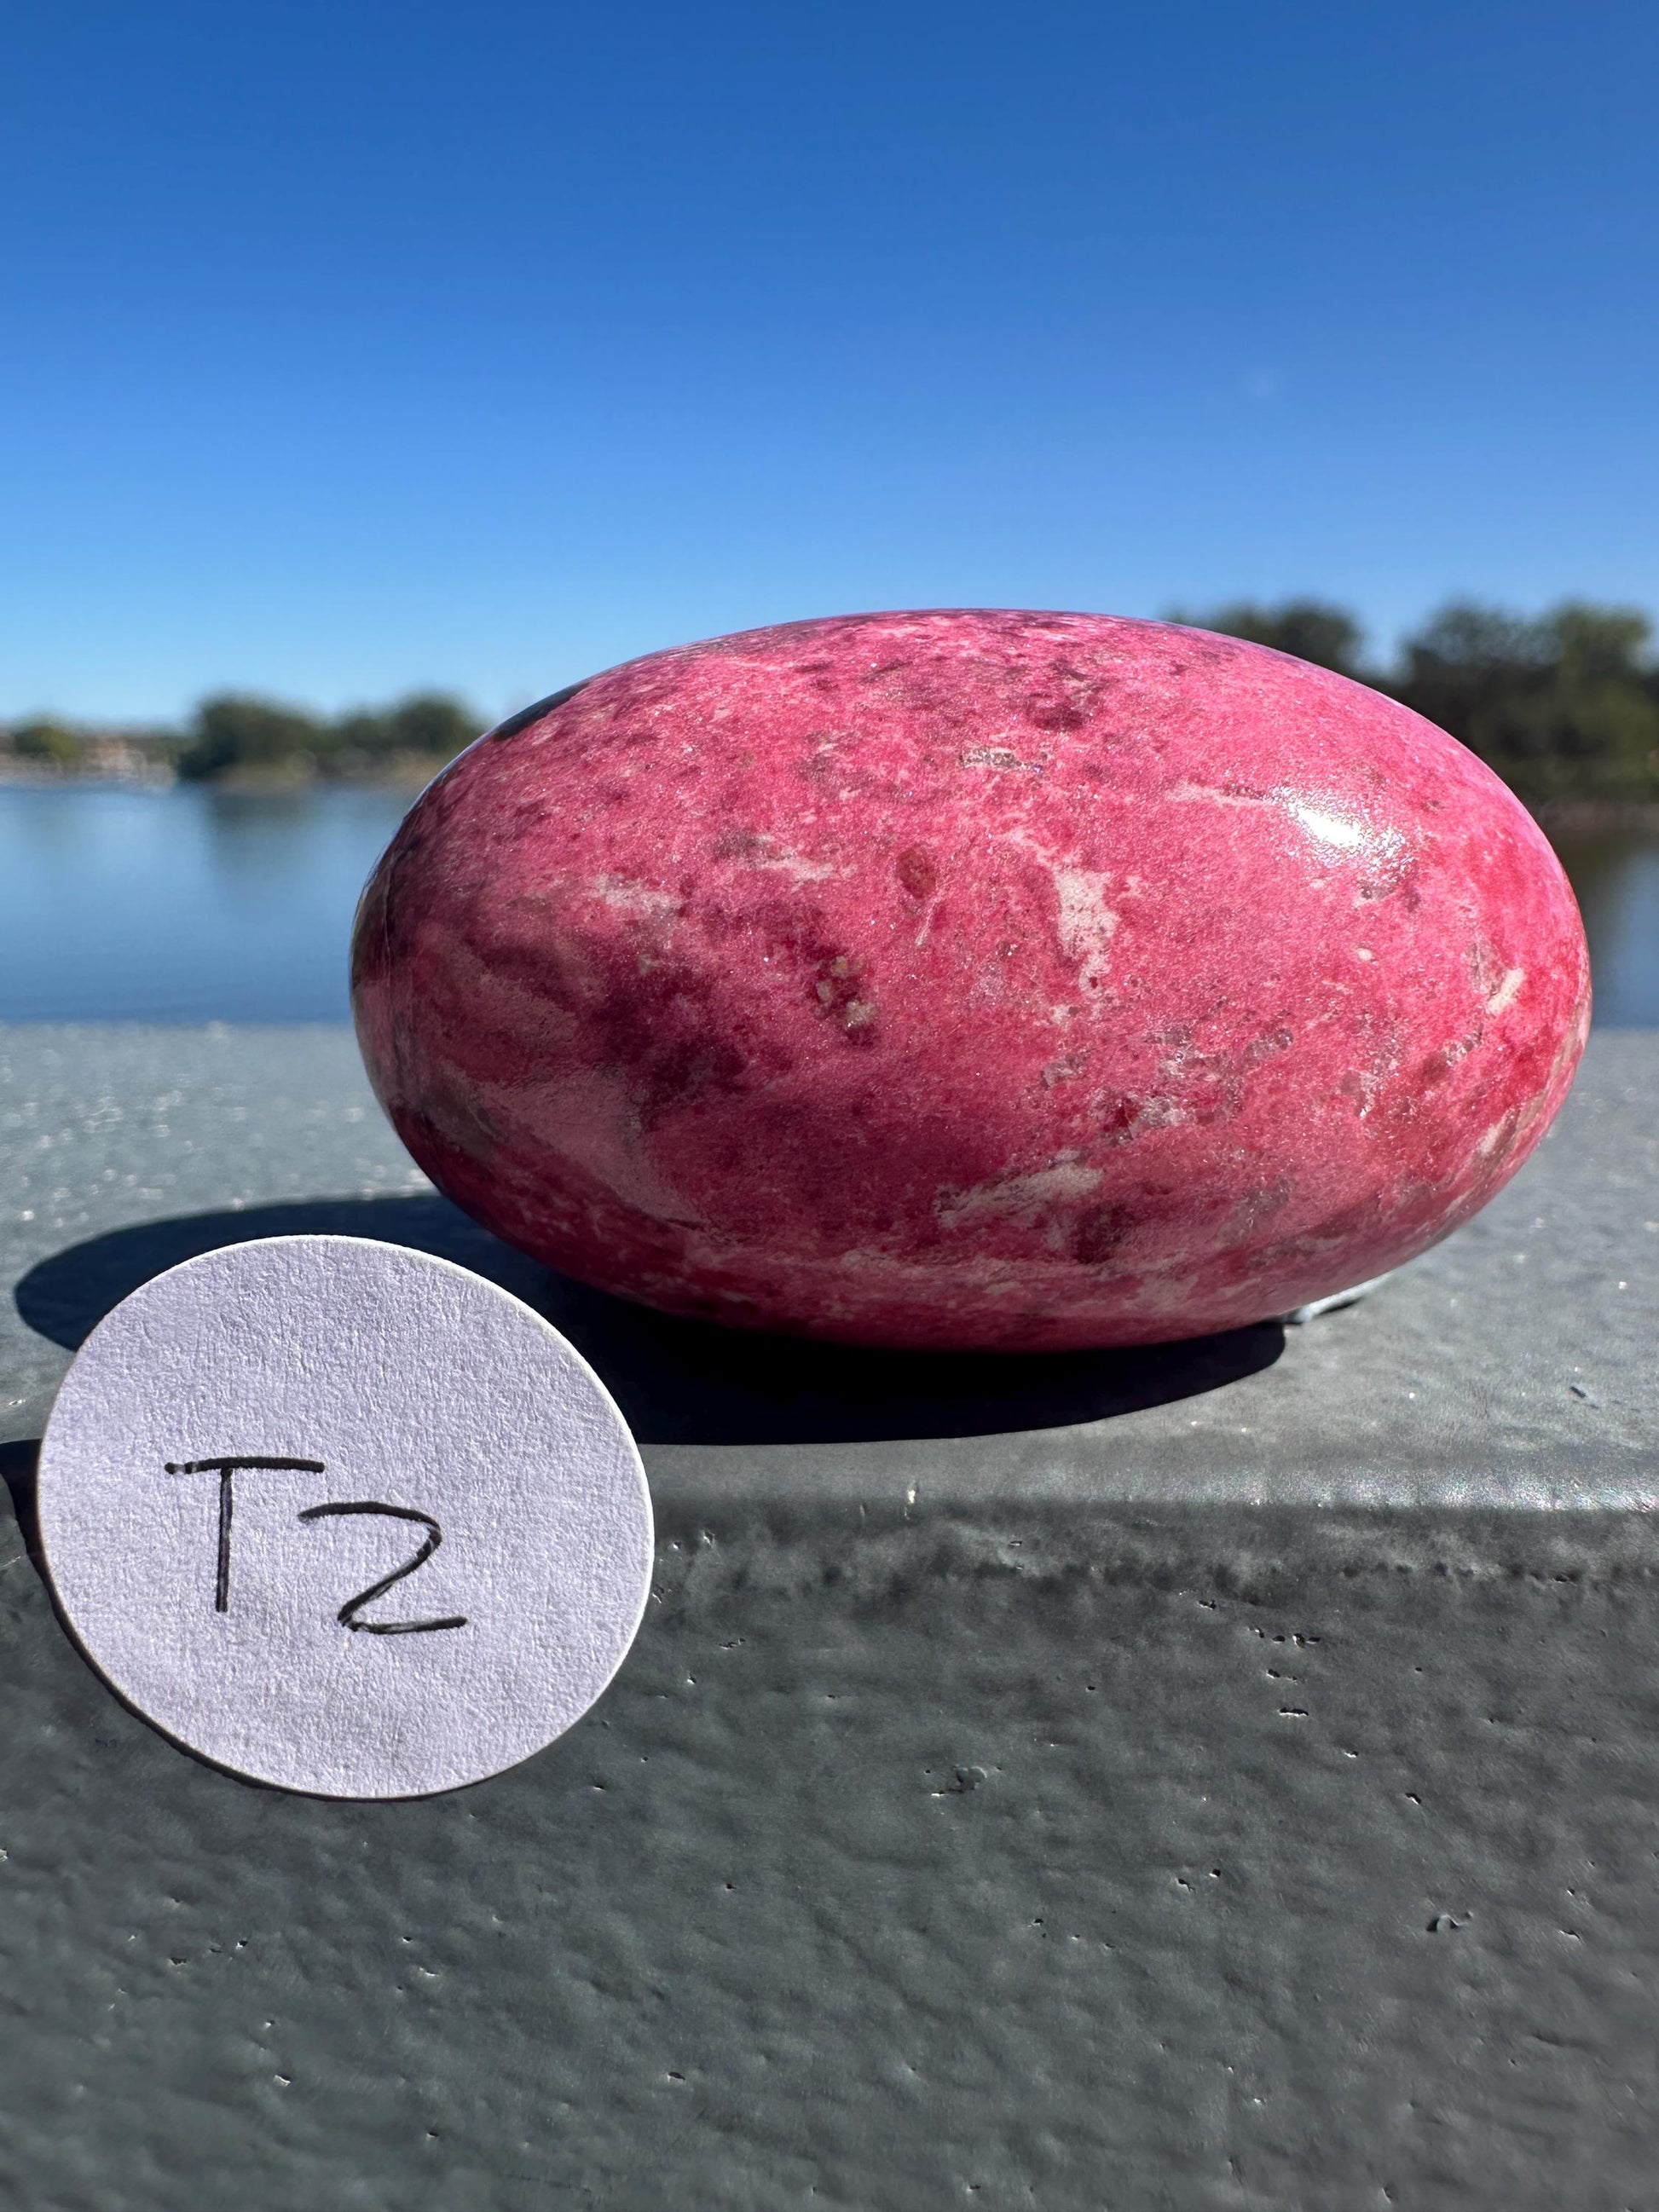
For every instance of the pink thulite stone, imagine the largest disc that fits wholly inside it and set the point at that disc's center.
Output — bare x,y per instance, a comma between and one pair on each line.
970,979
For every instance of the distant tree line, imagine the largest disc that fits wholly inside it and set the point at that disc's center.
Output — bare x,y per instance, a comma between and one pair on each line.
236,734
47,743
1564,705
234,730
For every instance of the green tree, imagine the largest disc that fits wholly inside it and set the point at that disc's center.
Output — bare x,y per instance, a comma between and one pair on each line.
1562,706
1310,629
433,723
53,744
235,731
425,725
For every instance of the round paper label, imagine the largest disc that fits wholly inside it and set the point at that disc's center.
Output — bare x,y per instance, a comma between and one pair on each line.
345,1517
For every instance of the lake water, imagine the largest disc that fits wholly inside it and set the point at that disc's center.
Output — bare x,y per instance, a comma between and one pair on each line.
1617,880
196,905
184,904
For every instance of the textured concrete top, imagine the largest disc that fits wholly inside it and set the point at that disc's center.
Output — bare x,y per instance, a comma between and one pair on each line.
1515,1364
1073,1832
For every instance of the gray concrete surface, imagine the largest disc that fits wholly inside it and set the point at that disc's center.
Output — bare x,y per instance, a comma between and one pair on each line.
1222,1778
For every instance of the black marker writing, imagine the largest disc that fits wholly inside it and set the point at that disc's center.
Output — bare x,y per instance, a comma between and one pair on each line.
226,1469
348,1611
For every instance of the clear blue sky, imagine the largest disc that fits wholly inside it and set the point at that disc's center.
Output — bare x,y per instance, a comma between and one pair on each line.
353,346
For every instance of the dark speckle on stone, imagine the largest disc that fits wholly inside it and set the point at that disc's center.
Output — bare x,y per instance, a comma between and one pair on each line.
917,871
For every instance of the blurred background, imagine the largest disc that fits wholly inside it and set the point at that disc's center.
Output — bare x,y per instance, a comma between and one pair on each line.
371,370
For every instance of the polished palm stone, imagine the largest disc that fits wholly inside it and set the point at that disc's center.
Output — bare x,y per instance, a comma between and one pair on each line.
970,979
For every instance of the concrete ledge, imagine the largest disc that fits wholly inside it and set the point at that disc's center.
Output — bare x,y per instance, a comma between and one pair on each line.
1514,1365
1225,1779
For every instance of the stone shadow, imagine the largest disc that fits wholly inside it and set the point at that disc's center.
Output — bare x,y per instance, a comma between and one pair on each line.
683,1381
17,1466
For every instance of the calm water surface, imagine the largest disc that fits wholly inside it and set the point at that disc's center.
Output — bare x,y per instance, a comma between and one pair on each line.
194,905
182,905
1617,880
